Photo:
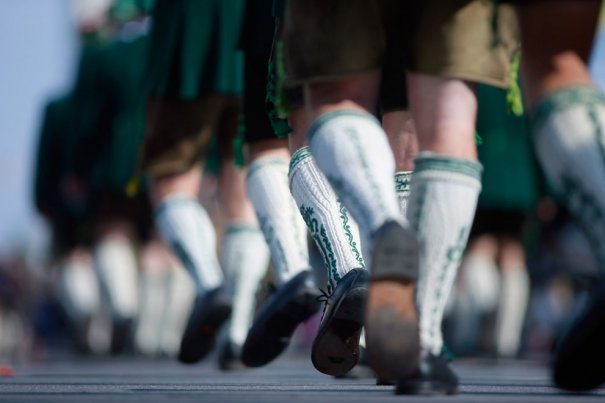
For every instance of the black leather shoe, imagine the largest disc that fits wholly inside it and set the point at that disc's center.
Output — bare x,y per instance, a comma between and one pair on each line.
579,361
335,349
209,313
229,356
292,304
121,336
434,376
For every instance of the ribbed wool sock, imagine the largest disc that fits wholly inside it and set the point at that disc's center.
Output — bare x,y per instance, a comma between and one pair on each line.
351,149
328,221
279,219
441,209
569,133
245,257
117,267
186,228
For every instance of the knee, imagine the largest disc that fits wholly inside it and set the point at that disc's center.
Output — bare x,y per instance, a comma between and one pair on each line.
352,92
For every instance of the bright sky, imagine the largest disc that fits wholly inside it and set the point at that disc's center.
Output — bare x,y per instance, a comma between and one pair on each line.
37,46
598,56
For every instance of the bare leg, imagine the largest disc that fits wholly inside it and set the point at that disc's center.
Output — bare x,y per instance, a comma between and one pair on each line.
400,130
447,127
444,191
300,122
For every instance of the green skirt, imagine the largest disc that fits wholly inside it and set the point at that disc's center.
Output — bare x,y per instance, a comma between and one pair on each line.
510,175
120,129
194,48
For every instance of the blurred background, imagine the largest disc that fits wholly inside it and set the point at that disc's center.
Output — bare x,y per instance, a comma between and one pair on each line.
71,118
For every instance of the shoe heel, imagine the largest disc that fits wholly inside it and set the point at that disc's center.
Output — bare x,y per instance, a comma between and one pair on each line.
395,254
392,331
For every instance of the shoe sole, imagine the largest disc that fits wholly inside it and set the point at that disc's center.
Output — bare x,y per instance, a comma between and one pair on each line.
266,341
121,338
392,330
200,338
335,350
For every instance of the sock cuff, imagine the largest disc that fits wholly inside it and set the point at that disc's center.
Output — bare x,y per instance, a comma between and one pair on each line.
429,162
331,116
563,99
242,227
298,157
173,201
402,181
266,162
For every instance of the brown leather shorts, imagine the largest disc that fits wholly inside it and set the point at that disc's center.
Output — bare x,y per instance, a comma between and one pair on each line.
179,132
473,40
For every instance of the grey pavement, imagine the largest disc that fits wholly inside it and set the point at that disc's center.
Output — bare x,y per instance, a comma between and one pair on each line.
289,379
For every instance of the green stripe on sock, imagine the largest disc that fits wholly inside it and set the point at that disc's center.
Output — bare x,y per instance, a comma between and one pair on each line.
241,228
300,155
337,114
172,202
433,162
565,99
344,218
264,162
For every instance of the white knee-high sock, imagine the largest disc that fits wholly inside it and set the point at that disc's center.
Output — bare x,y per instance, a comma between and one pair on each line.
334,231
186,228
79,289
282,225
403,180
480,280
474,295
117,267
514,297
569,134
351,149
245,258
181,294
155,281
441,209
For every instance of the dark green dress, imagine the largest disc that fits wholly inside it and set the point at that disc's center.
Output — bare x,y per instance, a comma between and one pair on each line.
121,115
117,133
194,48
510,178
60,188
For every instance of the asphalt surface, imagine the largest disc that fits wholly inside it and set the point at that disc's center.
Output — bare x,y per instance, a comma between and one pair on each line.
289,379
